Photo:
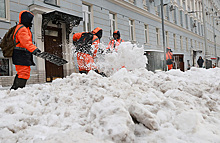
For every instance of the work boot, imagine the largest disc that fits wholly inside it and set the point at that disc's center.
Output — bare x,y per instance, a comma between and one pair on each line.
18,83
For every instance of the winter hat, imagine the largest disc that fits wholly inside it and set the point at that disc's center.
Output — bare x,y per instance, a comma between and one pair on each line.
118,33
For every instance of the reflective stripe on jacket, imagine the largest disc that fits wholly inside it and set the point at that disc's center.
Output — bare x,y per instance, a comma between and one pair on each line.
169,58
24,45
113,44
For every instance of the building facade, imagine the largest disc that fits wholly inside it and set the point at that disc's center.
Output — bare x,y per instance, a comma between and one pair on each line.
138,21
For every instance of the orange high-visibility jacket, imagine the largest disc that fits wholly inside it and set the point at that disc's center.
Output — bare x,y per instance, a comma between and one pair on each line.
86,61
24,45
113,44
169,58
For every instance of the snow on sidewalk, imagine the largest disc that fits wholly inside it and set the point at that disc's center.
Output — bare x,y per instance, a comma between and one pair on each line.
179,106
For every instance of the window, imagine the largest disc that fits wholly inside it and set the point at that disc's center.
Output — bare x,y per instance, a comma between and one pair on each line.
202,29
188,5
86,18
187,47
4,67
157,10
195,45
199,32
166,12
53,2
174,15
145,4
181,17
195,26
158,36
174,40
112,23
191,43
146,33
167,38
186,19
4,9
181,42
191,23
132,1
131,29
203,48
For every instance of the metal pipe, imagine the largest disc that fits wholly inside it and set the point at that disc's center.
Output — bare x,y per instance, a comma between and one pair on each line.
164,47
205,30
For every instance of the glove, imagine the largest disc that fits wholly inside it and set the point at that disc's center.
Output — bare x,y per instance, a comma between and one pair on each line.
36,52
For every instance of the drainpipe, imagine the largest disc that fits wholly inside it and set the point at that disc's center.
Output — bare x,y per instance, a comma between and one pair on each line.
164,47
205,30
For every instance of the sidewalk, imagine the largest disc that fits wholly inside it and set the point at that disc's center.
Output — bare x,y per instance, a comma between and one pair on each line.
4,88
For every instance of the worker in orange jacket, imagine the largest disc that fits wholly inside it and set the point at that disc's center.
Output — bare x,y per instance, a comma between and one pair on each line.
23,52
86,61
114,43
169,58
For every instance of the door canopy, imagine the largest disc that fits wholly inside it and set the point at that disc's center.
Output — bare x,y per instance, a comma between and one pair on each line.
58,17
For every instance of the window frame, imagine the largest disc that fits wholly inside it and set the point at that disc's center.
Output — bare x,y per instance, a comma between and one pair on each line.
89,12
174,41
146,33
131,30
7,12
181,42
187,21
187,46
181,17
113,20
158,36
57,3
167,38
8,66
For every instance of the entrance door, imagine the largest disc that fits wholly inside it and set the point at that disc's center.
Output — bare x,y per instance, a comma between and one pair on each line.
178,62
194,58
53,45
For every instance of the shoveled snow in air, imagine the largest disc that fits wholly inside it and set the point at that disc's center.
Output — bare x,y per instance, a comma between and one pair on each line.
131,105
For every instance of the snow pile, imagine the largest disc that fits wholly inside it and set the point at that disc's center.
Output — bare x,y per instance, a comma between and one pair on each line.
171,106
110,120
128,55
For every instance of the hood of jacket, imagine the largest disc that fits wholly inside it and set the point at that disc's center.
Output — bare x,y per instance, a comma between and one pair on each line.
118,33
98,32
25,18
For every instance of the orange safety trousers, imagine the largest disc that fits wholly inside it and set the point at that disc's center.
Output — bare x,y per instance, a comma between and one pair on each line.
23,71
170,67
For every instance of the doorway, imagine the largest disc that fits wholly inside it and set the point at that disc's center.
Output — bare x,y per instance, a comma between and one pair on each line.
53,45
178,61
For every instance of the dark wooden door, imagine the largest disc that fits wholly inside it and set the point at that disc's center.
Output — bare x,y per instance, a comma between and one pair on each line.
53,45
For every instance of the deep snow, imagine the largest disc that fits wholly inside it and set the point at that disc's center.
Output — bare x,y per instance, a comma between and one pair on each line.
170,107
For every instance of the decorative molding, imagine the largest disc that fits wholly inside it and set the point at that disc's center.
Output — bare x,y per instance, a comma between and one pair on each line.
58,17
